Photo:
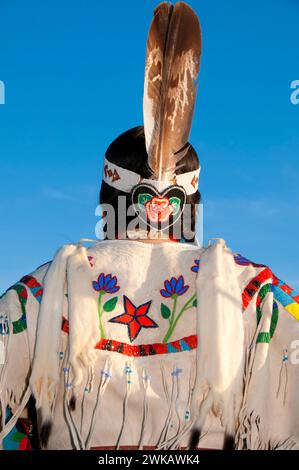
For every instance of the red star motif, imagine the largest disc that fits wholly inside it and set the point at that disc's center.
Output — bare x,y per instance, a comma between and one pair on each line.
135,318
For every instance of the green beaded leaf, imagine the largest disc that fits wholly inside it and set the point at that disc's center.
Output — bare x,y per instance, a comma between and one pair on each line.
143,199
175,202
165,311
194,303
110,304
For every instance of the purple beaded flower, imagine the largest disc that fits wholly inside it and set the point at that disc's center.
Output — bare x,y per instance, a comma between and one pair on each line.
174,287
195,268
106,283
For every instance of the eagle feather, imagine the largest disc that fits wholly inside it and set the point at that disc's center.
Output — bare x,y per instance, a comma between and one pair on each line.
172,64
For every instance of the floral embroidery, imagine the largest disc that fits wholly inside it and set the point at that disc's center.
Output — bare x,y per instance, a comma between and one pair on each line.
173,289
158,209
105,284
135,318
195,268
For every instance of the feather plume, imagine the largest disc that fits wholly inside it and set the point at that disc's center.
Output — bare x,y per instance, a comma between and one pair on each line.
172,65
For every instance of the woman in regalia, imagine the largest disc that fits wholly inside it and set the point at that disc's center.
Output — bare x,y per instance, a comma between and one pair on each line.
146,339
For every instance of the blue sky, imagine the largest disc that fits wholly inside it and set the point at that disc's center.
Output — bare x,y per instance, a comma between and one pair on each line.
73,72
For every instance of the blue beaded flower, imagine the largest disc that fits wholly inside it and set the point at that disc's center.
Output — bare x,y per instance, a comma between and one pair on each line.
174,287
106,283
195,268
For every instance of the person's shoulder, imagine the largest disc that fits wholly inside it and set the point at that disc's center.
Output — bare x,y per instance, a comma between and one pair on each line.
260,279
32,280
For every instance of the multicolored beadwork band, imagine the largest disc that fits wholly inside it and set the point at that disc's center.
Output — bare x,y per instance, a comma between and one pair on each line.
185,344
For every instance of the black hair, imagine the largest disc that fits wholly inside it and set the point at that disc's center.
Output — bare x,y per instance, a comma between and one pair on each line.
128,151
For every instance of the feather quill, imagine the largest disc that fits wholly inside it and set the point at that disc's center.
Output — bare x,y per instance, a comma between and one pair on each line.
172,64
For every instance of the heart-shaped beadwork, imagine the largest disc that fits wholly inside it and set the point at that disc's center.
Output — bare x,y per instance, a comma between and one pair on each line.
157,209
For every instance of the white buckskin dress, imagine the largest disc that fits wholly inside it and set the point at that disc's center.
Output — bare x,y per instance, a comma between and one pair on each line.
108,340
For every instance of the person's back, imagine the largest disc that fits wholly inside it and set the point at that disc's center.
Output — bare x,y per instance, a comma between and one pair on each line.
145,321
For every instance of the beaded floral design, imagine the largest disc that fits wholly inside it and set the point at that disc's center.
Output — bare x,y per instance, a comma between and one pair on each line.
195,267
105,284
173,289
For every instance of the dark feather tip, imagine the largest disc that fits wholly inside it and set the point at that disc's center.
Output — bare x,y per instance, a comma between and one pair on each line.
229,442
45,432
194,439
73,403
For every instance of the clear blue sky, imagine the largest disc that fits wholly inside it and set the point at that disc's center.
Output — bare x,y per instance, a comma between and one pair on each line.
73,72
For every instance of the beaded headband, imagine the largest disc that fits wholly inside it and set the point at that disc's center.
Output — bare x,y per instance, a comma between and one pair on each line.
124,180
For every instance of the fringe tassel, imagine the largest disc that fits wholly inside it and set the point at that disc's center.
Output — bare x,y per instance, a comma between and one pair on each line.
187,427
165,439
69,399
283,368
128,372
161,439
289,444
88,389
104,380
13,397
248,366
145,380
176,441
254,436
249,432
